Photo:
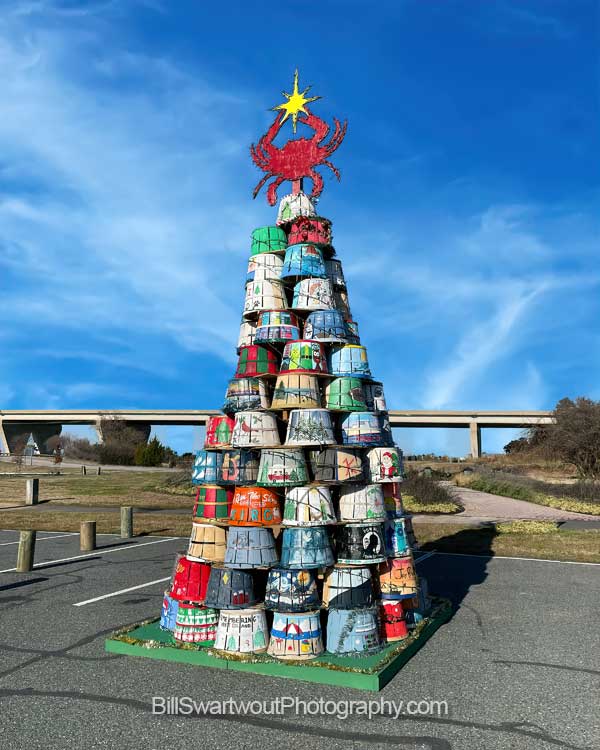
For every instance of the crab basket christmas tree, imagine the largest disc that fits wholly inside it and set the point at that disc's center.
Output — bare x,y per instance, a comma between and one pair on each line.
298,480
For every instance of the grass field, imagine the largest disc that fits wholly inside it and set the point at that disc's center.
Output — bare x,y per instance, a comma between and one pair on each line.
165,491
136,488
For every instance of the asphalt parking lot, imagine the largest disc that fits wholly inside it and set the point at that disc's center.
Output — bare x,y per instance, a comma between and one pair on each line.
518,664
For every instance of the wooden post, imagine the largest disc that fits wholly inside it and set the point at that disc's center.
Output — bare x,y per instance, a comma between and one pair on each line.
32,491
126,522
99,471
26,551
87,536
84,470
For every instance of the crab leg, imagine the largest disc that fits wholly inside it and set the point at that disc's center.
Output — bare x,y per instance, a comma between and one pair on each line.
335,170
272,191
261,183
317,183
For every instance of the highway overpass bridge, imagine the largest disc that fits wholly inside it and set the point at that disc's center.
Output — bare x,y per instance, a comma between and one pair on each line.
45,423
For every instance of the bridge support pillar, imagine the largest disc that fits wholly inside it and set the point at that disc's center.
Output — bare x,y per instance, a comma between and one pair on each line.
3,441
16,434
475,432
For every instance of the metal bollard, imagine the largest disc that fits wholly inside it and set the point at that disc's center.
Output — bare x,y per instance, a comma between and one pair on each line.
87,536
126,522
32,491
26,551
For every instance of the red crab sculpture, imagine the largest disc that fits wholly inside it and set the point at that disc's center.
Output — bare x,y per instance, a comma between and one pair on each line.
296,158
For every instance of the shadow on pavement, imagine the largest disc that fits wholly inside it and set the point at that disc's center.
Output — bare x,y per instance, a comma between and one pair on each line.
19,584
453,577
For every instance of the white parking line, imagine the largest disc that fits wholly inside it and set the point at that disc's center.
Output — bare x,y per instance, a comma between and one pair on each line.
42,538
526,559
97,552
122,591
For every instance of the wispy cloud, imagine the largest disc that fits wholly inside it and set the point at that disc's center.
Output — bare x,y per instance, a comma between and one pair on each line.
476,351
482,291
120,221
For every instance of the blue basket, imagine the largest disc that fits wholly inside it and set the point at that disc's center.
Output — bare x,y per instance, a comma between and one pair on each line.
306,547
303,260
353,631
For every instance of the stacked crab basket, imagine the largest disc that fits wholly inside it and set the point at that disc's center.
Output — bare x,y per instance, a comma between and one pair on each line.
299,542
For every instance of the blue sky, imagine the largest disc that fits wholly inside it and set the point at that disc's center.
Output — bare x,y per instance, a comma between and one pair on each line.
467,215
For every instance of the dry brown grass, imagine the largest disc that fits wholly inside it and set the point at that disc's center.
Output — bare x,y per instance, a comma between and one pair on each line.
106,522
528,464
136,488
577,546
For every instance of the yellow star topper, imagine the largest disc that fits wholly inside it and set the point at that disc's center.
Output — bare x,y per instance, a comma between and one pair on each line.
295,102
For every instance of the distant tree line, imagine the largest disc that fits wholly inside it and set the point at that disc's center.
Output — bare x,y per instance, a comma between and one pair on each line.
432,457
121,444
573,438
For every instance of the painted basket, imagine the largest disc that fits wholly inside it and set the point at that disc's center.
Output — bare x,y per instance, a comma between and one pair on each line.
360,543
305,548
239,466
336,465
308,506
249,548
362,503
218,432
291,590
230,589
293,391
255,506
282,468
196,624
293,205
245,394
303,260
353,631
242,631
296,636
268,240
314,229
304,356
213,502
348,588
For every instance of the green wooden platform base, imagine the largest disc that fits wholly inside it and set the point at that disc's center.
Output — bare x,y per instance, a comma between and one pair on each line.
365,673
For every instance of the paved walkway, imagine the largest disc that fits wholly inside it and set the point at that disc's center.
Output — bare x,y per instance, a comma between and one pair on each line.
483,506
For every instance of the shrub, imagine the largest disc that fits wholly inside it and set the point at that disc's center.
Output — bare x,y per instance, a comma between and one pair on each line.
151,454
120,441
79,448
427,491
574,437
520,445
